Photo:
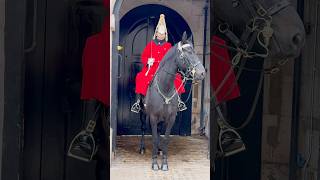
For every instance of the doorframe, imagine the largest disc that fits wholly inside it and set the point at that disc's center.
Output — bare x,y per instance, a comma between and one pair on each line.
2,64
114,75
11,96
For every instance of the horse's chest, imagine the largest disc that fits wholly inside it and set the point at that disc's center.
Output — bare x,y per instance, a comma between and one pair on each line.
167,110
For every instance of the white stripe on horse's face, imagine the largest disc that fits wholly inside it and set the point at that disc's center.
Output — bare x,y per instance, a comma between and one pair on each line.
183,46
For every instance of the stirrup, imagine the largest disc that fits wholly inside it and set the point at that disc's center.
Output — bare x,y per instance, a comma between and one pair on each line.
230,141
181,105
136,107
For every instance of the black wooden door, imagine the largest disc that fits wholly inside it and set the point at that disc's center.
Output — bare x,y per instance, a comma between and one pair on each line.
136,30
52,105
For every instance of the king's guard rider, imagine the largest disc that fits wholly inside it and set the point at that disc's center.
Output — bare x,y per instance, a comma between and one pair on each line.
151,58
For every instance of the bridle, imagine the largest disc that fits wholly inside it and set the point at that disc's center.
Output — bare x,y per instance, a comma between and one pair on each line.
189,74
257,9
258,26
257,29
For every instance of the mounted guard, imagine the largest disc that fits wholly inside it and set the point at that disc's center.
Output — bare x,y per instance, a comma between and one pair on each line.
151,57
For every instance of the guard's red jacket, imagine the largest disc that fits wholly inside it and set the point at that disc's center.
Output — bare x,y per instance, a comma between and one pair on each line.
158,51
219,68
96,66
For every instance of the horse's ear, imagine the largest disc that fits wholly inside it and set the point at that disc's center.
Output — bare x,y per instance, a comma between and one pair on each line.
184,37
191,39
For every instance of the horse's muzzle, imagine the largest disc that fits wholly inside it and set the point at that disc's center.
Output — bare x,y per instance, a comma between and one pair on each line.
200,74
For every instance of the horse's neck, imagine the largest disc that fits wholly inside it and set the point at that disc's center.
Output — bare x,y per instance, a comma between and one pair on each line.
166,74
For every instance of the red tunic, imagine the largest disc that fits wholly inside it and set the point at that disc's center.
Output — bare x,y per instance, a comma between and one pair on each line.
96,66
158,52
219,68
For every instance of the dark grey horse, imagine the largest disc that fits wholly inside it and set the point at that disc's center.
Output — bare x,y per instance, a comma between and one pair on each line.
161,101
288,30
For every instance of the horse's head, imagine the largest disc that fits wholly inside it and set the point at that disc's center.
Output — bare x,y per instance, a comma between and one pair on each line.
288,34
188,62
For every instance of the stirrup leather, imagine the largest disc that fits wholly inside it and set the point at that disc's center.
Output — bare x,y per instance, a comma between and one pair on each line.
136,107
181,105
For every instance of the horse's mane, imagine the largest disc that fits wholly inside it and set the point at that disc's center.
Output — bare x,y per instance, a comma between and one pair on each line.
169,55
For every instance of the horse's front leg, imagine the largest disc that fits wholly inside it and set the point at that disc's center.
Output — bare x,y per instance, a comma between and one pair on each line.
159,139
154,128
143,129
169,125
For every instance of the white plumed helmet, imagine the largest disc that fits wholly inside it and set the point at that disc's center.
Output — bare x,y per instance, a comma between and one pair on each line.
161,27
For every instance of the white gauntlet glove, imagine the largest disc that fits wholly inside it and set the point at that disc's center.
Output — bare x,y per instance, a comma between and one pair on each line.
150,61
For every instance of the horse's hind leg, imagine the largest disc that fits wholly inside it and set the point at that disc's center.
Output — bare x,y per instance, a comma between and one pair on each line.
154,128
169,125
143,129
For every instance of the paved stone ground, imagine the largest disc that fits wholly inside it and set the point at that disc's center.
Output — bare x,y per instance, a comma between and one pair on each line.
187,160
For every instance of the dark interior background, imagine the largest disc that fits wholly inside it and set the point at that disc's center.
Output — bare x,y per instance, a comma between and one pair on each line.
53,111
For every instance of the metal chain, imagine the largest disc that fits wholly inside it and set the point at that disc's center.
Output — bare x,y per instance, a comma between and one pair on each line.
166,98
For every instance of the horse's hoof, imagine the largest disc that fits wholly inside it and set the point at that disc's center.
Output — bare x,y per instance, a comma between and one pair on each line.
142,151
155,166
164,167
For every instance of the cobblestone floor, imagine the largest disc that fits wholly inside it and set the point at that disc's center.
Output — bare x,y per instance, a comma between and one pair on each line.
187,160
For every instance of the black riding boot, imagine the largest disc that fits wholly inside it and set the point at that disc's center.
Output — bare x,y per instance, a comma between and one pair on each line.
136,108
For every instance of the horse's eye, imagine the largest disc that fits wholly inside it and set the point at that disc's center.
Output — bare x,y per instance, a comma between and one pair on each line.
189,51
235,3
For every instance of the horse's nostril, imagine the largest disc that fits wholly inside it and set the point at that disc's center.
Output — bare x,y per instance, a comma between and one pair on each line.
297,40
203,74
